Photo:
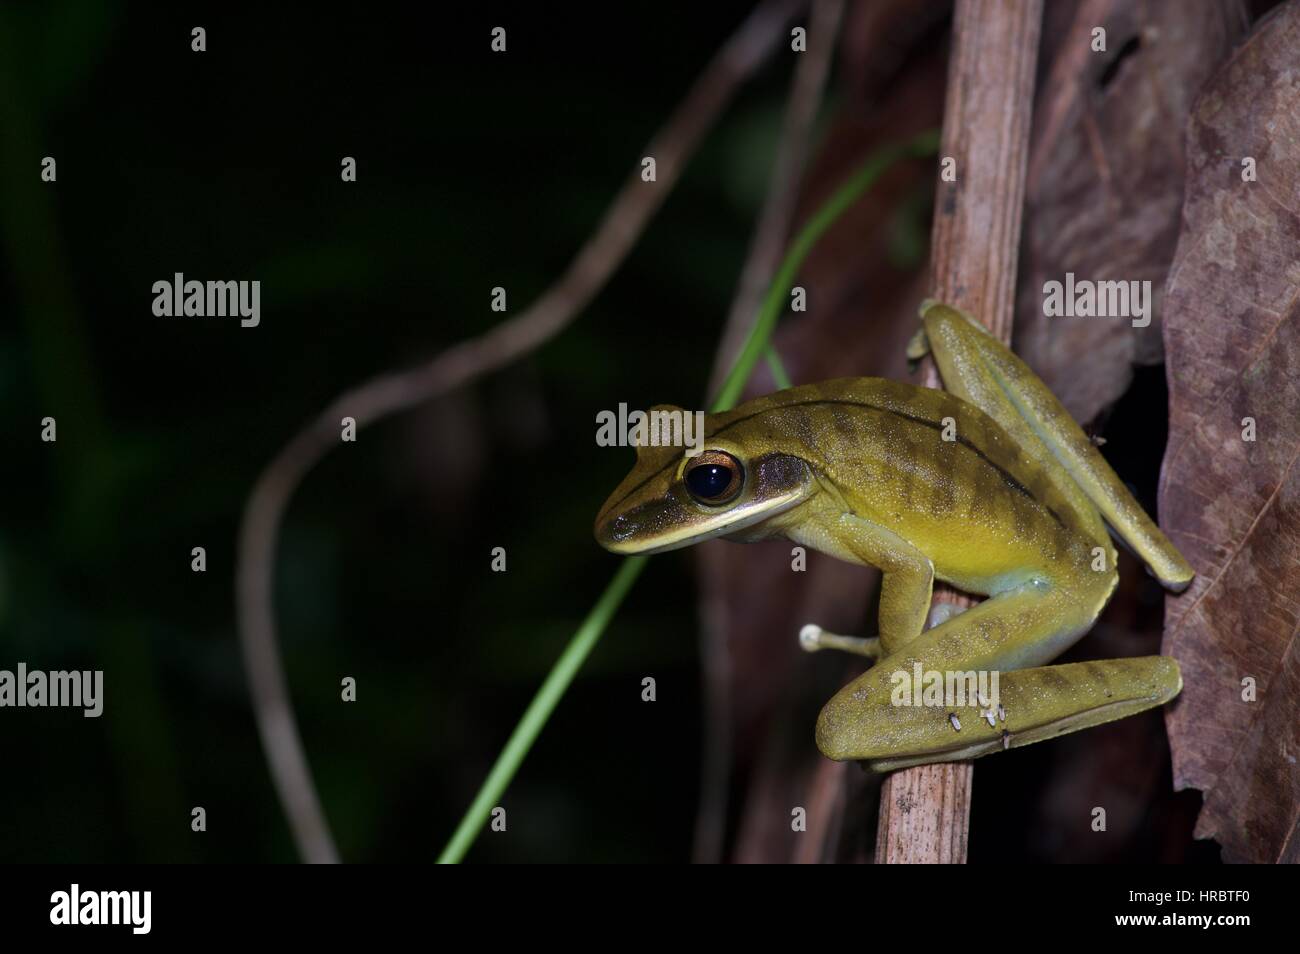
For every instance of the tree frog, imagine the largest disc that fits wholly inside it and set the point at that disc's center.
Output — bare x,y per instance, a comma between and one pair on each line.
988,486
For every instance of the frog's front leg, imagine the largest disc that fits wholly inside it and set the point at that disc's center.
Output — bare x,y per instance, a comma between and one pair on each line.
889,716
814,639
905,589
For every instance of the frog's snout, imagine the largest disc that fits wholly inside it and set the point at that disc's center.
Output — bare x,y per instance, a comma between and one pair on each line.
607,529
615,531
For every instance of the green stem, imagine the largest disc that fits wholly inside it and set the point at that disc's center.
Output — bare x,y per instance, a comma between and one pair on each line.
585,639
543,704
780,377
773,303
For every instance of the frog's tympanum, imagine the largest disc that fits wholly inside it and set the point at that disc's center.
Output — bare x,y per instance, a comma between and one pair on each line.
989,486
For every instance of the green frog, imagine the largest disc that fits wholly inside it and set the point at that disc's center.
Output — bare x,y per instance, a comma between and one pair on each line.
989,486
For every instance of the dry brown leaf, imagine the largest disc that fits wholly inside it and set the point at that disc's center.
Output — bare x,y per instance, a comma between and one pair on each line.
1106,176
1232,505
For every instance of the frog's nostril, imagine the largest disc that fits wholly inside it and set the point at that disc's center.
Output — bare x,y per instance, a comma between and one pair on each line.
613,529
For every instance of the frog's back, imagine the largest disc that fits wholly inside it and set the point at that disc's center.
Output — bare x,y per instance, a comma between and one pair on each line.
924,462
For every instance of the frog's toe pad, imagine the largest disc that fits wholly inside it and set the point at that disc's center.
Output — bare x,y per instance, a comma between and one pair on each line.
918,347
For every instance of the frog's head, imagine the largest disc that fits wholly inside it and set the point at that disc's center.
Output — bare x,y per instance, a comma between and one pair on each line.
672,500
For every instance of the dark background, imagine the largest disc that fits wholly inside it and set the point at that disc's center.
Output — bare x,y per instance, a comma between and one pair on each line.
474,170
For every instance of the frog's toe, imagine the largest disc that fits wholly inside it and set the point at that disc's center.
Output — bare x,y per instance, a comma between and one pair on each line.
918,347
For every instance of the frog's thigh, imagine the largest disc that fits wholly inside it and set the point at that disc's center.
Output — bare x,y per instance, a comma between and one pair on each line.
980,369
874,719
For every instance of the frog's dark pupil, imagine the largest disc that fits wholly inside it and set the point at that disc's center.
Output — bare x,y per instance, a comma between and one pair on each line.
709,480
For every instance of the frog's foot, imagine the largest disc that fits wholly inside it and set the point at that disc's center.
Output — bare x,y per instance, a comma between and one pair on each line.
917,349
813,639
919,346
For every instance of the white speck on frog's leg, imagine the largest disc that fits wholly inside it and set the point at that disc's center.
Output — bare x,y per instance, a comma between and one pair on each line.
956,723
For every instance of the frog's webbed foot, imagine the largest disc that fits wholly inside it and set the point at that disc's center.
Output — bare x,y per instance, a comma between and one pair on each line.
814,639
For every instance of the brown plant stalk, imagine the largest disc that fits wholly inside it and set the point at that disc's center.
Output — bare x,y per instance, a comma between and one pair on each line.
925,811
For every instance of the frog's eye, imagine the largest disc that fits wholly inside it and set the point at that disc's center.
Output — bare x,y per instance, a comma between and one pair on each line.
714,477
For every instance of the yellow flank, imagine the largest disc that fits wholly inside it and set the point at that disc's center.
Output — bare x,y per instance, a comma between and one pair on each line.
990,486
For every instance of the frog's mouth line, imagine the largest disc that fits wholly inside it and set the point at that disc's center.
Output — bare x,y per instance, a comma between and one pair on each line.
723,524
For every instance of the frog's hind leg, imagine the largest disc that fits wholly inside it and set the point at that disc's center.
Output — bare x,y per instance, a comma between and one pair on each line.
980,369
956,692
1031,705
